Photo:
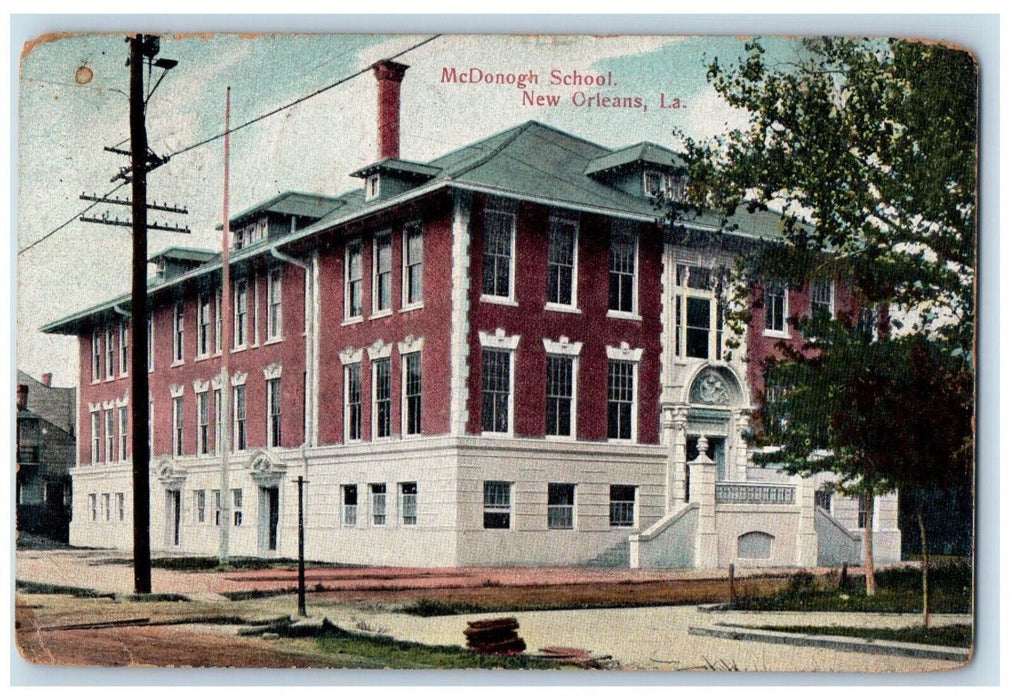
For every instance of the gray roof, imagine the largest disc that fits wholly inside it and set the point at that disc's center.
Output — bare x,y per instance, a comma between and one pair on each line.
644,152
200,255
404,168
530,161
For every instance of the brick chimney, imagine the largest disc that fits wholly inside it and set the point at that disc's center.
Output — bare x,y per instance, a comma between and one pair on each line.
22,396
47,379
389,75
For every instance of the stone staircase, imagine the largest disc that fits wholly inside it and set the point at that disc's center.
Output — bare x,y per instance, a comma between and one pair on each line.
614,557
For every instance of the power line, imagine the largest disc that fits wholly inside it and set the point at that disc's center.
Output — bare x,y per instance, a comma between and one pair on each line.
299,100
72,219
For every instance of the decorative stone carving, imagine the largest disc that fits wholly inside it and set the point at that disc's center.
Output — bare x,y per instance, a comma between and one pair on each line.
710,388
170,475
265,470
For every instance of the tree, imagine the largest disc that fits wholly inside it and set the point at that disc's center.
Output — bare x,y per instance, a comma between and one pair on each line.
868,150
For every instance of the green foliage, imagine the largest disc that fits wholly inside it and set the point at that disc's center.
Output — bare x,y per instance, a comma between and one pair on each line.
947,636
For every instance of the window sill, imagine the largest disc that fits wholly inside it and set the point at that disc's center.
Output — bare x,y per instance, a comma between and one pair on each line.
239,348
485,433
623,315
178,363
273,341
768,333
201,358
412,307
560,438
352,321
562,308
502,301
622,441
381,314
110,379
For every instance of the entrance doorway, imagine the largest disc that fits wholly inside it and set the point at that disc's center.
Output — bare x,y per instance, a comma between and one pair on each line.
716,452
269,517
173,517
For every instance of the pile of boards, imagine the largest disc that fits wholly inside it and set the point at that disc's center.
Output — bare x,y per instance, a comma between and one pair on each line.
572,656
496,636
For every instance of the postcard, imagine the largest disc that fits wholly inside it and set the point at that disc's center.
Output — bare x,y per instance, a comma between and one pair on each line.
488,351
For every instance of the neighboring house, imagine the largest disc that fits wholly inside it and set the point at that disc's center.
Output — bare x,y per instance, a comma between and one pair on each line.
46,452
495,357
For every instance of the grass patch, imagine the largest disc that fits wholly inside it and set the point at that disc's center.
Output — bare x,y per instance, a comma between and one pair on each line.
899,590
947,635
431,607
367,651
55,589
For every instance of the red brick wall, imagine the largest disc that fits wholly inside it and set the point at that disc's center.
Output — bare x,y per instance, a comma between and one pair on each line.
432,322
591,327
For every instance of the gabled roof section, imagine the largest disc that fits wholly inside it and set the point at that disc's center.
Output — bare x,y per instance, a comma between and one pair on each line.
306,204
645,152
182,254
407,169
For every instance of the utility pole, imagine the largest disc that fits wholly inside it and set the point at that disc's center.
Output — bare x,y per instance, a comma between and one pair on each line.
226,320
301,547
138,306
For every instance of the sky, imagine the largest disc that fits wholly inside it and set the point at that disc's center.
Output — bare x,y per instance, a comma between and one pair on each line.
312,147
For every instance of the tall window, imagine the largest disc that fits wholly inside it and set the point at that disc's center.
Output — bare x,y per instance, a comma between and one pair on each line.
96,438
776,308
561,246
274,327
382,406
110,352
110,435
200,505
496,389
178,331
352,280
123,430
240,417
620,399
412,393
408,503
124,348
121,506
274,412
203,423
236,506
96,356
350,499
698,314
217,320
822,295
622,506
93,505
241,328
150,343
499,232
560,506
623,274
497,505
106,507
352,402
378,492
560,383
217,419
216,496
413,264
177,425
203,326
382,271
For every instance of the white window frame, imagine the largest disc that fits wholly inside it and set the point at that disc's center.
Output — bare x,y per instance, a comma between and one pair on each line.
218,293
406,304
203,422
348,368
110,353
500,342
375,364
634,507
236,389
123,420
407,514
564,348
349,247
200,506
624,353
203,325
93,506
566,507
178,425
275,307
494,507
240,315
831,295
373,186
411,347
625,229
96,436
110,419
217,397
120,506
503,210
96,356
236,507
776,332
378,239
273,398
378,505
682,292
348,509
124,348
107,507
216,501
178,333
573,305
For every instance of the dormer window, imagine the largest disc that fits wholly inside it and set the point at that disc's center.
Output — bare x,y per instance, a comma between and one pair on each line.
371,187
656,183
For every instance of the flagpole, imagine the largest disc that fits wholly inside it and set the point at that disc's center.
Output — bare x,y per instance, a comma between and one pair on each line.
225,428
